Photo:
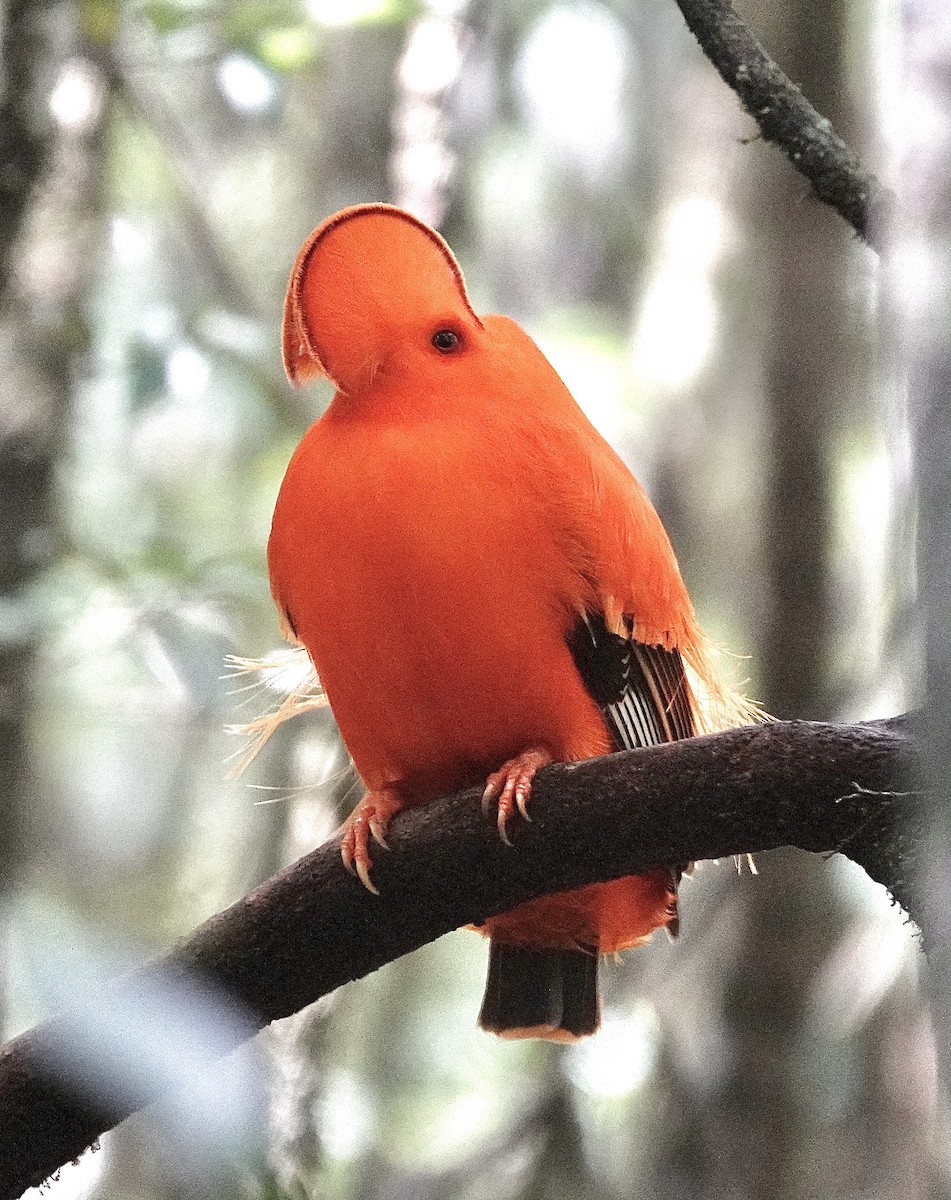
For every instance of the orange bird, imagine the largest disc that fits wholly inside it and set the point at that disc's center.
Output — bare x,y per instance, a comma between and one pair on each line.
481,585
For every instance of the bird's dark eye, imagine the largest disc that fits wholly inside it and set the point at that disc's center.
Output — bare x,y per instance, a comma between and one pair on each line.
446,340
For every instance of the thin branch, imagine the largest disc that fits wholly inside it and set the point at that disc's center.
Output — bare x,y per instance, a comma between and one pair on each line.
313,927
786,117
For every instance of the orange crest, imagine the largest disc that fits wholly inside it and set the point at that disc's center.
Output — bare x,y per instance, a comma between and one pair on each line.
365,279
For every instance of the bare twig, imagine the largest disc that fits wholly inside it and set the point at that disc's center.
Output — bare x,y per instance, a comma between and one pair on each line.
313,927
786,117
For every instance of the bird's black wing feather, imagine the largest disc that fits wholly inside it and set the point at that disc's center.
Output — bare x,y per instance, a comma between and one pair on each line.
642,691
643,694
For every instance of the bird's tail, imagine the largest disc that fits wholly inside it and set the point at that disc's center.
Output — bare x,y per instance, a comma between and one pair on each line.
551,994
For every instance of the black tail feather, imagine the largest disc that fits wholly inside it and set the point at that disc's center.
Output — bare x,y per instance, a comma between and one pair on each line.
541,993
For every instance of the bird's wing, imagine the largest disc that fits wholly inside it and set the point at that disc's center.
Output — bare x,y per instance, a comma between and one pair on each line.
642,600
642,691
630,579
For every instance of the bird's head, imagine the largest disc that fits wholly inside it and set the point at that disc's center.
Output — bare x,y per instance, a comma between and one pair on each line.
373,288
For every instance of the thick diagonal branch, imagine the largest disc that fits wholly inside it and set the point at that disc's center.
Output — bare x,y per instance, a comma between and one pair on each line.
786,118
313,927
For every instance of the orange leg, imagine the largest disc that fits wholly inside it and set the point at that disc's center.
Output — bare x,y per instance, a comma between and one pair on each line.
511,785
368,820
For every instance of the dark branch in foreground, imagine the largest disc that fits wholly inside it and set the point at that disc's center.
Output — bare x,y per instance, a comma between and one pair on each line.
313,927
786,117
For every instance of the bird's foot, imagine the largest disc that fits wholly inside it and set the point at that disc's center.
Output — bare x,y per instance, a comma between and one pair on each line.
511,786
369,819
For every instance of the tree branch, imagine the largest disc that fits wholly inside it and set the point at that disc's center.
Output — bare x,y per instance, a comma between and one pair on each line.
313,927
786,117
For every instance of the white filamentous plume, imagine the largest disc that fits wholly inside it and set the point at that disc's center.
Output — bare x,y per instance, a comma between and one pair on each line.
719,705
289,672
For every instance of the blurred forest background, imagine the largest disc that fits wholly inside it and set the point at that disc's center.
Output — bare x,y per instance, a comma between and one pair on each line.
162,162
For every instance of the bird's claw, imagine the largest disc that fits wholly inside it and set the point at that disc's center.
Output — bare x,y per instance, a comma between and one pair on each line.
356,856
378,832
511,787
368,820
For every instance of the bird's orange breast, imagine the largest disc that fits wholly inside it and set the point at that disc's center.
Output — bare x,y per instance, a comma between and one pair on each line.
435,595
